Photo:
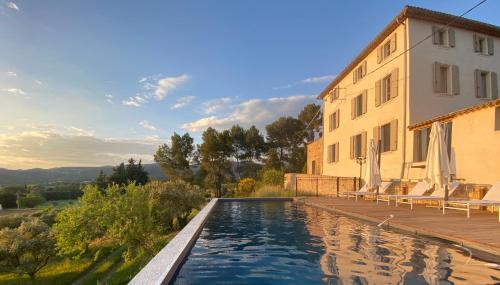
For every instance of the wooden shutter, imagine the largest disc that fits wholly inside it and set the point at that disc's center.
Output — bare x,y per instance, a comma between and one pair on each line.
451,37
393,43
494,85
377,93
490,45
394,83
475,41
363,144
437,77
435,35
337,153
365,65
354,78
376,134
455,80
416,146
364,101
477,83
329,154
338,118
330,122
352,148
353,108
394,135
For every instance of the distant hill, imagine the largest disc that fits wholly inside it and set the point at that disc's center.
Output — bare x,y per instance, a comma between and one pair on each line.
66,174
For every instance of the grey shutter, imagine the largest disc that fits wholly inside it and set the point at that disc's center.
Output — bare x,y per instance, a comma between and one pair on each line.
377,93
352,148
364,68
436,77
376,135
337,152
477,83
394,135
416,146
353,108
451,37
363,144
394,83
338,118
354,79
475,41
329,154
455,80
435,35
379,54
364,101
330,123
393,43
494,85
490,45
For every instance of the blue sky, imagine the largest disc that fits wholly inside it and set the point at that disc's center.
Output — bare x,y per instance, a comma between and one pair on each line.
93,82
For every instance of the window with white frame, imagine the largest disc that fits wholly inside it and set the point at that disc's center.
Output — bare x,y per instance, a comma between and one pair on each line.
443,36
486,84
358,145
483,45
333,120
358,107
385,91
420,144
333,153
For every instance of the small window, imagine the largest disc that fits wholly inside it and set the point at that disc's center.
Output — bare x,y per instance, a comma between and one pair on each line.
385,137
386,49
358,108
386,89
421,144
483,82
482,45
357,146
333,153
313,167
443,87
441,35
333,121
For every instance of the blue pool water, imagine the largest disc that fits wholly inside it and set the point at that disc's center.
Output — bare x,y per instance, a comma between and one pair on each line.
289,243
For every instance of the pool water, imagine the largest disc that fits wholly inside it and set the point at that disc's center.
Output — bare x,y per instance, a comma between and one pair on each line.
289,243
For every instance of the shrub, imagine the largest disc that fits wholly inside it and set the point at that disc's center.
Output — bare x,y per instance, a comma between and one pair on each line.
11,221
272,191
30,201
246,186
8,200
273,177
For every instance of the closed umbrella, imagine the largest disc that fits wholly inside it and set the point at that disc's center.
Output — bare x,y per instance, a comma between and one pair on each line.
372,174
437,167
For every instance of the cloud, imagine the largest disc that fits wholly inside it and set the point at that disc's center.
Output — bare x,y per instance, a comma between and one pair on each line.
15,91
46,148
81,132
12,5
39,82
318,79
167,84
136,101
215,105
145,124
109,98
257,112
182,102
11,73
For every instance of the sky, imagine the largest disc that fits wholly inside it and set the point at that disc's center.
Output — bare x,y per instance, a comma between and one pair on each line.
91,83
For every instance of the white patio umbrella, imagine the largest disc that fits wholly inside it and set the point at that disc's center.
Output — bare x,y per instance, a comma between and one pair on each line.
372,173
437,167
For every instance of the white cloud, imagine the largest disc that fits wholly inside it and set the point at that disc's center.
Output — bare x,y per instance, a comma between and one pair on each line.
136,101
145,124
109,98
39,82
15,91
81,132
257,112
167,84
182,102
12,5
11,73
318,79
45,148
215,105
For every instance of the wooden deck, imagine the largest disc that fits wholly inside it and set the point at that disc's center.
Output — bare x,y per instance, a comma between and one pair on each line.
481,232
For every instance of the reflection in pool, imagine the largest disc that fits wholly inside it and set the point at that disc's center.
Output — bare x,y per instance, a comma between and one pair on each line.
288,243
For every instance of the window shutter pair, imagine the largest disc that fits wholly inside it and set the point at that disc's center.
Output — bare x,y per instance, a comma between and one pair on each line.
394,135
363,144
394,83
437,80
364,101
377,93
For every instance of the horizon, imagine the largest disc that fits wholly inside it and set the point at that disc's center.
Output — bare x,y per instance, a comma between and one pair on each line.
87,84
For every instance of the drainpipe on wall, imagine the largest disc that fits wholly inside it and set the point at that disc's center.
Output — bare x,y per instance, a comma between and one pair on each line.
405,99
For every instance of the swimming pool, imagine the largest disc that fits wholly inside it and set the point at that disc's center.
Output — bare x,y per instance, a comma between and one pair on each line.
289,243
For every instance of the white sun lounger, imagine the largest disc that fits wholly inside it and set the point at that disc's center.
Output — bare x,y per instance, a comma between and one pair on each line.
364,191
492,198
437,195
418,190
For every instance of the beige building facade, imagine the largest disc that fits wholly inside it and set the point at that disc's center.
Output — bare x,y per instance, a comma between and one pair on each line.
418,68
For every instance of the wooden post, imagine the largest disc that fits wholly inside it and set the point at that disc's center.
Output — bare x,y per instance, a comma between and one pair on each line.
338,185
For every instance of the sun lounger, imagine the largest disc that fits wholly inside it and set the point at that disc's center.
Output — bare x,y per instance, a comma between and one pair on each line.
365,191
437,195
418,190
492,198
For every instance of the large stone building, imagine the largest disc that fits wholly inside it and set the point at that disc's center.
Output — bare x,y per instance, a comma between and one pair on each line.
421,67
